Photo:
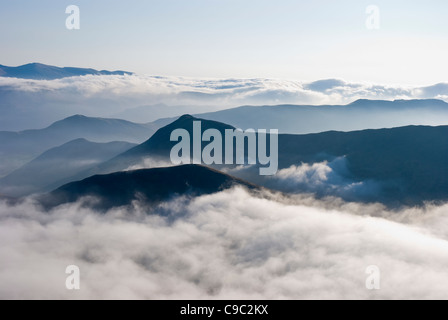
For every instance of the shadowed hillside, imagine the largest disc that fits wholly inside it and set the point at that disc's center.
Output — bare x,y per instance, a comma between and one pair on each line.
52,169
410,164
18,148
152,186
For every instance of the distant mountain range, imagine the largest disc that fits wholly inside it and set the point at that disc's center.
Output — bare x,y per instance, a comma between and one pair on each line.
38,71
150,186
408,165
359,115
56,166
162,111
18,148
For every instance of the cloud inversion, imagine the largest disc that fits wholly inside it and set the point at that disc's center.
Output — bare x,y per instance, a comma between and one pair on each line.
230,245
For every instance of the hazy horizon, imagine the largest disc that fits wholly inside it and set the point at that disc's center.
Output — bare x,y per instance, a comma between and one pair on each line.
297,40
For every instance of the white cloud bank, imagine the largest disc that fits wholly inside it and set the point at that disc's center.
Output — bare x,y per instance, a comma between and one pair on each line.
325,179
225,92
46,101
322,179
229,245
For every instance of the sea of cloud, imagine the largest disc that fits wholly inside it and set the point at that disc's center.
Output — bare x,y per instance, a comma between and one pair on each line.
229,245
175,90
109,96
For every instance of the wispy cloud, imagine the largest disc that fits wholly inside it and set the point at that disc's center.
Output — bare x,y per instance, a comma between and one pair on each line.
148,163
322,179
325,179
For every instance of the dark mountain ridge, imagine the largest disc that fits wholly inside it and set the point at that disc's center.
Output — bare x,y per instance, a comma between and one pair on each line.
411,163
150,186
39,71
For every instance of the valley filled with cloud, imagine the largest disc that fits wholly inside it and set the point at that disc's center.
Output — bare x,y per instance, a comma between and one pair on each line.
230,245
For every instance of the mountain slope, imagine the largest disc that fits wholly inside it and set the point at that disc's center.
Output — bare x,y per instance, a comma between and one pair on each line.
55,166
38,71
158,147
359,115
151,186
18,148
410,164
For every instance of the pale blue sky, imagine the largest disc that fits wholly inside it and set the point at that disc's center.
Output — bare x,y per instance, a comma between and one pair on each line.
290,39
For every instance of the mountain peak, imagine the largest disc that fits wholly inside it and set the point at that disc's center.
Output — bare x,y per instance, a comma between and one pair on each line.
359,101
159,145
35,64
39,71
78,141
186,122
325,84
187,117
76,117
150,185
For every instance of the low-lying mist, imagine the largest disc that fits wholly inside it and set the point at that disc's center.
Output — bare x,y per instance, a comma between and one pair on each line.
229,245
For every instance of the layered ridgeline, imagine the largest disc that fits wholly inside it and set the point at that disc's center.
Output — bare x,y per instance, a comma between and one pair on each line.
407,165
35,95
399,166
18,148
56,166
38,71
148,186
359,115
156,149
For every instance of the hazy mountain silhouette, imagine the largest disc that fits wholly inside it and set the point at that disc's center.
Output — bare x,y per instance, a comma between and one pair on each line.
325,84
150,186
38,71
52,169
18,148
410,163
158,147
359,115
